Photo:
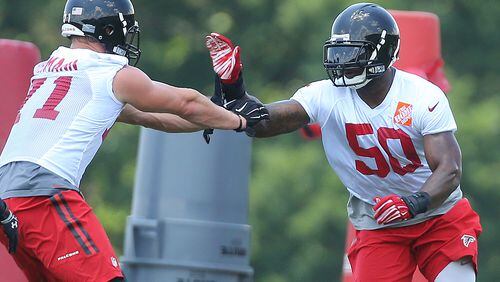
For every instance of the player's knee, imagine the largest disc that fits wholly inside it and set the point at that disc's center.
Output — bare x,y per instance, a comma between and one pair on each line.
459,270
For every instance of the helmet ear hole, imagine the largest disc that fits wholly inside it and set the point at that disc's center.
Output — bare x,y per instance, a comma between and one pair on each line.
109,30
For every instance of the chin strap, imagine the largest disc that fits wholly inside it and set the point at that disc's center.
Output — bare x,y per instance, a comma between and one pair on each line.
358,86
353,82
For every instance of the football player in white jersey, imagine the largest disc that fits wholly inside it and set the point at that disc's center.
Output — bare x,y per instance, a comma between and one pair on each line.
74,99
389,136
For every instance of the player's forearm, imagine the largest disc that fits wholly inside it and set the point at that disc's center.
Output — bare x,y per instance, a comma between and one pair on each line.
158,121
200,110
443,181
172,123
285,117
133,87
167,123
444,158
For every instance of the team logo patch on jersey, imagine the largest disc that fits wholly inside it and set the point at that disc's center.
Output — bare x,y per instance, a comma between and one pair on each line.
403,114
467,239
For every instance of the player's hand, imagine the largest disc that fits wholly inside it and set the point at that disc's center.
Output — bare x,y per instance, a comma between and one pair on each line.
252,111
227,65
391,209
10,224
225,57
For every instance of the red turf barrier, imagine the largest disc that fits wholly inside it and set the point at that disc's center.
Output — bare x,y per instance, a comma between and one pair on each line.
422,59
420,51
17,60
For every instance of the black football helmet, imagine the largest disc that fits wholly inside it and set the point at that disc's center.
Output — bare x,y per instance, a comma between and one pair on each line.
364,44
111,22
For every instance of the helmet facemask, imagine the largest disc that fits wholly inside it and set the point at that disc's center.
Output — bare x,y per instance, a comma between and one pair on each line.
130,47
351,63
364,44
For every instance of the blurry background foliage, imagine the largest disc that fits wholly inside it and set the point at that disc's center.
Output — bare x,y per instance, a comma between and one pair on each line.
297,207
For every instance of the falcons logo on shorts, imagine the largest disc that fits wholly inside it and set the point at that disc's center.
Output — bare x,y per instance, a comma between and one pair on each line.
467,239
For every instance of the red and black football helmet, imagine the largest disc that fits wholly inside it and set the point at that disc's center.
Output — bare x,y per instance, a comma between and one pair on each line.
364,44
111,22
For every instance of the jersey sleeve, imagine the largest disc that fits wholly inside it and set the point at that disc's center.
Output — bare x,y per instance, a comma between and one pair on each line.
310,97
435,115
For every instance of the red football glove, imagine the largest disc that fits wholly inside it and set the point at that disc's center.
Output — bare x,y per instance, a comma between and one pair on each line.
225,57
391,209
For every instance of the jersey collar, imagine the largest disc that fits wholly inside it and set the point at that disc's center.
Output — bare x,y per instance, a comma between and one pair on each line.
385,103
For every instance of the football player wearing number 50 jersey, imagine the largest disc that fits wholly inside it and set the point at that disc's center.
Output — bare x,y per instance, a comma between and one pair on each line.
74,99
389,136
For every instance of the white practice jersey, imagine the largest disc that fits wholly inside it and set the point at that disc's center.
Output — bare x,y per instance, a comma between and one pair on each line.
69,109
380,151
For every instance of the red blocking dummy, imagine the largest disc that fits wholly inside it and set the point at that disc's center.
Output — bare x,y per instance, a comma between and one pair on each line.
17,60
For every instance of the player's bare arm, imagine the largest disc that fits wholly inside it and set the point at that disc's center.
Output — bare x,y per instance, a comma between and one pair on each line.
445,160
160,121
134,87
285,117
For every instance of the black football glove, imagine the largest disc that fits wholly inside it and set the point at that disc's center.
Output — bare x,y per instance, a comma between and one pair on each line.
10,224
226,62
251,110
219,101
234,90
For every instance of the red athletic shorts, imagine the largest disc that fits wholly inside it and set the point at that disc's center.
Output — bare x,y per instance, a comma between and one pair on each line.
392,254
62,240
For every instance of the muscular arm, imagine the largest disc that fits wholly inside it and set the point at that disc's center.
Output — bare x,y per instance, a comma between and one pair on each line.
445,160
285,116
159,121
134,87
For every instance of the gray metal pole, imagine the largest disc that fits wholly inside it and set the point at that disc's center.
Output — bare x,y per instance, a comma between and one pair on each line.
189,219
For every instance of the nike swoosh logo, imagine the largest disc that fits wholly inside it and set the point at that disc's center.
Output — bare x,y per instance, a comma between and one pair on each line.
242,107
432,109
